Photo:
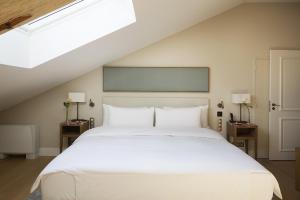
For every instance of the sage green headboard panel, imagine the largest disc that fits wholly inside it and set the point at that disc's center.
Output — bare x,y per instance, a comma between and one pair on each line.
155,79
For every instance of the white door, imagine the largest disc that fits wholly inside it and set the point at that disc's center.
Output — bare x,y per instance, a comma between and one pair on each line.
284,115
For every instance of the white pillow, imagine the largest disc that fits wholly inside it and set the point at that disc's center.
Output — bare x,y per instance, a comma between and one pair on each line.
141,117
203,114
177,117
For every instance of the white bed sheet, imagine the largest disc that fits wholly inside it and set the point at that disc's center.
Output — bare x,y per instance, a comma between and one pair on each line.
118,163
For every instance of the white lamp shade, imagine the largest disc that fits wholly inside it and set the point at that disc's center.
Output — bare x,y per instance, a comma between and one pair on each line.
241,98
78,97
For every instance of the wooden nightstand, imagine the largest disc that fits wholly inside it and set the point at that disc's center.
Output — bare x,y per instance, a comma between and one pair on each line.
298,168
244,132
72,130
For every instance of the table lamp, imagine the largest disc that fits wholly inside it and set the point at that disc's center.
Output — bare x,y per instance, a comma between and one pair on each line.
241,99
77,97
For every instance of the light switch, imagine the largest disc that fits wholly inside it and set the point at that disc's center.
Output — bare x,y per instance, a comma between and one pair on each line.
219,114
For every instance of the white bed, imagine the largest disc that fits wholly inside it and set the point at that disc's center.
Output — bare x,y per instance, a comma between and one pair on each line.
154,164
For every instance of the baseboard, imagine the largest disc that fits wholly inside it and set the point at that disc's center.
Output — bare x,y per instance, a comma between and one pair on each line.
44,151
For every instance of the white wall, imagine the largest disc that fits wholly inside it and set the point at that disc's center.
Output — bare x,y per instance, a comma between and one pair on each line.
235,45
14,44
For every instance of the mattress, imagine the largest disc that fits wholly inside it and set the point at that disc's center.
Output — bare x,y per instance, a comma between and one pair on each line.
160,164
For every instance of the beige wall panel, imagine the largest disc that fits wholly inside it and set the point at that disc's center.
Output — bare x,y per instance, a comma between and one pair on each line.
261,105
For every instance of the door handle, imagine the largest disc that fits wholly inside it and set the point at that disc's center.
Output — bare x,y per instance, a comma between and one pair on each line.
274,104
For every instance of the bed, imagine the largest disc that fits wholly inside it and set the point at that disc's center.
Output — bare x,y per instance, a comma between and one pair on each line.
155,163
134,164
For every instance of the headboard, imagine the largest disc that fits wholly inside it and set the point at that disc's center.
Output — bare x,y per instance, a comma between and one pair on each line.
131,101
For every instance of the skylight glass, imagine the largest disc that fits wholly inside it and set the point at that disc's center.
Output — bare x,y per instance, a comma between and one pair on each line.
58,14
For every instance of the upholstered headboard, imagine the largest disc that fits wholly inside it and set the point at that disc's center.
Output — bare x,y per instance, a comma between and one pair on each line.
154,101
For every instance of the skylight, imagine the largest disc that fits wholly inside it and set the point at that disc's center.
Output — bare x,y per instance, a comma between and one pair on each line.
64,30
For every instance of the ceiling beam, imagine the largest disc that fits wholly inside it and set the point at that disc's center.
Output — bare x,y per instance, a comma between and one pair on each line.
18,12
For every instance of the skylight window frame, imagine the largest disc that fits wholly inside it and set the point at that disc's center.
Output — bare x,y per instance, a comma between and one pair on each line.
57,15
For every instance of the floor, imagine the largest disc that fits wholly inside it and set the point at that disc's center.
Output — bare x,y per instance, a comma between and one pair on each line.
284,171
17,175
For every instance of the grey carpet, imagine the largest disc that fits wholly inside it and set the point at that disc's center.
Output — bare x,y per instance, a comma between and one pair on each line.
35,196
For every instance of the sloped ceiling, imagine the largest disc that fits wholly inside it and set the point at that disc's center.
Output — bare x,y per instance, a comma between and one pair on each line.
156,19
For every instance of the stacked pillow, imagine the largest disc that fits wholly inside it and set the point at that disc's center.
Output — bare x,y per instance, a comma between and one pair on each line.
165,117
168,117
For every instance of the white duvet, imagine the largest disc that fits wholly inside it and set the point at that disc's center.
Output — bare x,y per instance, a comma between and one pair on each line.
156,151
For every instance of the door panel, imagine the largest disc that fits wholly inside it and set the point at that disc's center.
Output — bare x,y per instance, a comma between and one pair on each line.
289,133
290,72
284,115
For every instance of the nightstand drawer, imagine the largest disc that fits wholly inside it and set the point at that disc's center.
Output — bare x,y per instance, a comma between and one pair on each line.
245,132
71,129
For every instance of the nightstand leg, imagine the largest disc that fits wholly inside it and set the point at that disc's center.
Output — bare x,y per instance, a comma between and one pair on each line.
246,146
255,148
